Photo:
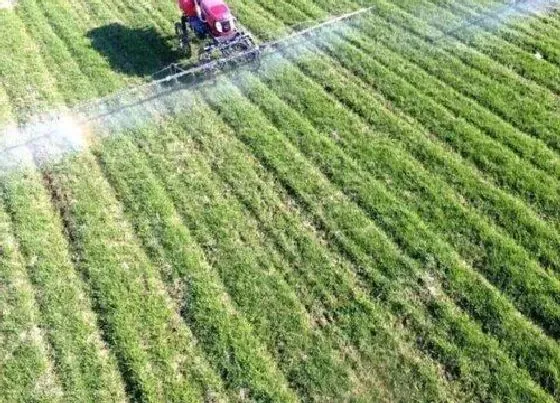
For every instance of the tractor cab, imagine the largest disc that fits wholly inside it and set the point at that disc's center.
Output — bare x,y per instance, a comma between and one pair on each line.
218,18
208,17
211,19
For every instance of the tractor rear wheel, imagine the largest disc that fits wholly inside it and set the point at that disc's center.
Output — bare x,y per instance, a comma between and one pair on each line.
179,30
183,37
185,45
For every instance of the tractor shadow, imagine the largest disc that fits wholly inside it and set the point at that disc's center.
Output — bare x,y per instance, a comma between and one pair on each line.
133,51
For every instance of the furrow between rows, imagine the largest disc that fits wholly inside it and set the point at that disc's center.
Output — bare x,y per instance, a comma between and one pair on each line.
350,225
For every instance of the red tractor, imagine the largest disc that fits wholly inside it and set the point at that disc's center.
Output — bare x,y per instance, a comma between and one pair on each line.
229,47
211,18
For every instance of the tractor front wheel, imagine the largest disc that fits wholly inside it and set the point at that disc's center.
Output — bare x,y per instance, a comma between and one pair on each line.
178,29
205,57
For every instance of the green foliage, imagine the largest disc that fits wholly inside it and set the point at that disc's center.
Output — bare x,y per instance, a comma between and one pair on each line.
374,215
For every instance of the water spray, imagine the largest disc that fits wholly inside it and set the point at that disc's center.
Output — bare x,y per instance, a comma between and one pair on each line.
49,137
7,4
497,16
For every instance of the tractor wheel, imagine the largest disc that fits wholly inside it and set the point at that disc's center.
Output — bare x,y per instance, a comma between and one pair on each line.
205,57
185,46
179,30
239,46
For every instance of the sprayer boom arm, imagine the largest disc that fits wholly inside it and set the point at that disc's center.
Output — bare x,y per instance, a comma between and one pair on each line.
251,53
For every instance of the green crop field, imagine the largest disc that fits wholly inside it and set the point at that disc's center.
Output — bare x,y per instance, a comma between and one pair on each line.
373,215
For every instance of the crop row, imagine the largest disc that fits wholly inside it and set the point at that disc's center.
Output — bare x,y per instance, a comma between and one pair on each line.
539,19
23,67
339,131
376,26
281,248
466,25
468,246
513,32
352,223
66,320
329,85
476,115
496,204
246,229
88,59
526,147
499,205
523,104
26,354
26,365
135,335
198,277
280,113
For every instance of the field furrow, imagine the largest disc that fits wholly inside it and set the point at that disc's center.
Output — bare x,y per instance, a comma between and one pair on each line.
273,308
533,110
353,322
338,133
260,23
350,127
71,80
312,11
289,14
228,340
354,314
523,60
26,357
530,20
412,103
79,59
26,360
378,263
156,351
66,315
360,229
525,39
335,7
23,77
500,205
524,146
